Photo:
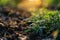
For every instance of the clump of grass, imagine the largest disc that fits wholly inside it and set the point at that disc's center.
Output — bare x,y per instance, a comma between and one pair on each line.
46,20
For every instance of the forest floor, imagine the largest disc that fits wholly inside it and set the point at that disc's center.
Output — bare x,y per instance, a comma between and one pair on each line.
13,23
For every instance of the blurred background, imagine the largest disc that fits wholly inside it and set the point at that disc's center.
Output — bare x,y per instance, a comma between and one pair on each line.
29,19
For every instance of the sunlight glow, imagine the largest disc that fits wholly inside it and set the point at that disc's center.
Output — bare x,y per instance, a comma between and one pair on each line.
29,4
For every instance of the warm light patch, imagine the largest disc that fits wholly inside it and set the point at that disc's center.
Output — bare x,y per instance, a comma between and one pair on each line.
29,4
